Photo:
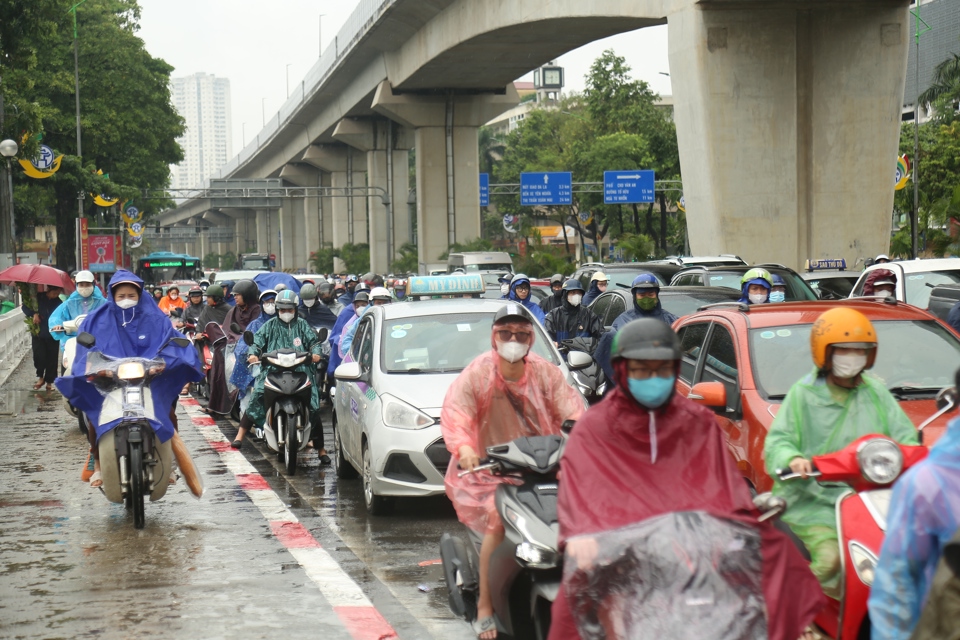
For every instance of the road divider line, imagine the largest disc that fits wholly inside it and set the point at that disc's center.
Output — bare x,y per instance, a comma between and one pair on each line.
355,611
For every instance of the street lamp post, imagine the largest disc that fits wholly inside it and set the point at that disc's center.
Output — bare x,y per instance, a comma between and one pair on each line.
8,149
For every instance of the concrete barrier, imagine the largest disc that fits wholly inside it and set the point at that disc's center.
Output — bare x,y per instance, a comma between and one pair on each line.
14,342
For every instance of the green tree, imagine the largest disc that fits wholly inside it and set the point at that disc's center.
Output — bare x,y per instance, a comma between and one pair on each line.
211,261
321,260
944,92
636,246
407,260
356,257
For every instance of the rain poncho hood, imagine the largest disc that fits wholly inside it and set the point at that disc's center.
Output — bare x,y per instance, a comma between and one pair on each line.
75,306
532,306
216,313
241,378
875,276
482,408
125,333
923,517
611,455
221,395
745,297
345,317
592,293
317,316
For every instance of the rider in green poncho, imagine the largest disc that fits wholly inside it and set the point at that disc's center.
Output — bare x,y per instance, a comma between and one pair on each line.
824,412
286,331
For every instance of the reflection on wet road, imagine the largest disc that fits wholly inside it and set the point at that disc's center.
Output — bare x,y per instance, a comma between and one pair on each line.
72,565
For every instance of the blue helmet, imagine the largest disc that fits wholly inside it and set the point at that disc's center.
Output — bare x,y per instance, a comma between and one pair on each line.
572,284
645,281
777,281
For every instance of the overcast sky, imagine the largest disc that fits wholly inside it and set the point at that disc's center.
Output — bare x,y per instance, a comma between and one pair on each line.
251,42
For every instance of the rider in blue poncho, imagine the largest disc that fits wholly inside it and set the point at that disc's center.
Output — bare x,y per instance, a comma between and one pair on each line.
85,299
130,325
520,292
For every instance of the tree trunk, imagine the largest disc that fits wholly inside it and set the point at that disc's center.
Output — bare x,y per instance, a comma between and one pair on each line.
67,235
636,219
650,233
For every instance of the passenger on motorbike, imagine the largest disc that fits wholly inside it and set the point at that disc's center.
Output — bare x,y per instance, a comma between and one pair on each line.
245,311
502,395
571,319
350,288
598,285
924,515
825,411
216,308
379,296
286,331
242,378
645,452
85,299
520,293
346,316
172,300
313,311
329,299
193,310
778,288
880,282
555,300
130,325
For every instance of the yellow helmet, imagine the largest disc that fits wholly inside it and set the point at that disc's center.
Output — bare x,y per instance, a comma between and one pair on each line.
842,327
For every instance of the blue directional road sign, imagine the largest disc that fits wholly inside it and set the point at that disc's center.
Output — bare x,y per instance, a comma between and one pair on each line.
550,188
628,187
484,189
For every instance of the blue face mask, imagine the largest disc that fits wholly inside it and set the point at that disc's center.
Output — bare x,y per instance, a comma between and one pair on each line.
777,296
651,393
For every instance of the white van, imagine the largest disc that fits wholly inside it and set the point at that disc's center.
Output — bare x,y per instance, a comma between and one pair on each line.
480,262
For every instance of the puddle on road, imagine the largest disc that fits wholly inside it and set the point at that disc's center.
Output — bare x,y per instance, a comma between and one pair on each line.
22,401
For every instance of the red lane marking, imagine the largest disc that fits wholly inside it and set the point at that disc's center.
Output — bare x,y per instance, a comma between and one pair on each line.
252,482
203,421
365,623
219,445
427,563
189,402
293,535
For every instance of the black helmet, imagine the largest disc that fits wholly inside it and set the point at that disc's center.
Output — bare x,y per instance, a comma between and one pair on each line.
557,277
325,290
308,292
505,278
646,339
246,288
512,312
572,285
362,296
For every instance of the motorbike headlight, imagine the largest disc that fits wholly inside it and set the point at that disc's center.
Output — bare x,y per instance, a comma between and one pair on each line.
535,556
286,360
400,415
864,562
130,371
881,461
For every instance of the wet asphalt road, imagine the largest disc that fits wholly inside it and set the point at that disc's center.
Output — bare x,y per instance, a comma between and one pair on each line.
73,566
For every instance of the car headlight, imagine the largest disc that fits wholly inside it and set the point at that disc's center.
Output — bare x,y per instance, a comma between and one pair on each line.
130,371
400,415
881,461
864,562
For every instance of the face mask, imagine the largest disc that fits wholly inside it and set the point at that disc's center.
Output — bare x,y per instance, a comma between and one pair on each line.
883,294
848,366
512,351
174,296
647,304
574,299
504,289
287,316
400,292
309,303
757,298
360,310
126,303
653,392
85,291
777,296
269,308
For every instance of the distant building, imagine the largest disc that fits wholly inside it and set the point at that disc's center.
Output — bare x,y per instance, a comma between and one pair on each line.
203,100
936,45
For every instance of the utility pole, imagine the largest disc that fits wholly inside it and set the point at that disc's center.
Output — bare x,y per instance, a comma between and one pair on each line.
915,214
76,82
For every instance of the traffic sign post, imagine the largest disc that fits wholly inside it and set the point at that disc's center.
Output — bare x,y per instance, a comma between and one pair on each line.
628,187
484,189
546,189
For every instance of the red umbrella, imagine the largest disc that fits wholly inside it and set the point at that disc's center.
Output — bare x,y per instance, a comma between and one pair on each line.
37,274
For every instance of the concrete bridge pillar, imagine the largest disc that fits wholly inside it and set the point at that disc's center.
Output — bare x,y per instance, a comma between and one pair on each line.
307,238
348,212
290,241
386,146
788,121
448,174
325,223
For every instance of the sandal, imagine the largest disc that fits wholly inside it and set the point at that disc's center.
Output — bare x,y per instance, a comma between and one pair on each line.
39,384
484,625
88,469
49,387
95,480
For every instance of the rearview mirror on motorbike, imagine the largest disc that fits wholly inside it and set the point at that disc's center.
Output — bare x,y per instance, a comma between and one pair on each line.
247,336
234,327
86,340
577,360
567,426
322,334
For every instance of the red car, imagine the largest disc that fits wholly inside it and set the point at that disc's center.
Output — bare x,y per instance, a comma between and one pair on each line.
741,360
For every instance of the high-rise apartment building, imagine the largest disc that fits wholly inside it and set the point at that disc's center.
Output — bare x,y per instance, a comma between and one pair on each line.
936,45
203,100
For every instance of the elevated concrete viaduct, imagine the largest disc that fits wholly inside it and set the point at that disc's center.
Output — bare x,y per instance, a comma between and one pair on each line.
787,114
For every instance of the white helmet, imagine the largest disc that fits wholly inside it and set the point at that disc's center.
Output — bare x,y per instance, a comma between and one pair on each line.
85,276
380,293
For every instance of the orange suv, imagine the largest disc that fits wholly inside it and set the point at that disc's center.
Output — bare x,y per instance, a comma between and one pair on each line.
741,360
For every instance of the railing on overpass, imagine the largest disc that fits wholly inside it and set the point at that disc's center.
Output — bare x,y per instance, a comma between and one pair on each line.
267,192
190,233
510,189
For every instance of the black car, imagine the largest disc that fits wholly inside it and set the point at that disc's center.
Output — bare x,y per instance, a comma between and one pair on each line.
621,274
680,301
730,276
832,285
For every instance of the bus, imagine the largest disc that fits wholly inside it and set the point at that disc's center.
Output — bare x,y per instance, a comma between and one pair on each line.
165,267
480,262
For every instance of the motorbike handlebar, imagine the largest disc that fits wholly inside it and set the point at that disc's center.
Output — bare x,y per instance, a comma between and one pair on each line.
787,474
484,466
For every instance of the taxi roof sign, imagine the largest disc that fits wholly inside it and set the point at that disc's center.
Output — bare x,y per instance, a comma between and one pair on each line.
837,264
445,285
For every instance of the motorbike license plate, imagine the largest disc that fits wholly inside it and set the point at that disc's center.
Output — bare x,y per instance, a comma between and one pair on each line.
132,396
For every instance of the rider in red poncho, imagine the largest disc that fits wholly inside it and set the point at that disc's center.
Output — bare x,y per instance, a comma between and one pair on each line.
645,452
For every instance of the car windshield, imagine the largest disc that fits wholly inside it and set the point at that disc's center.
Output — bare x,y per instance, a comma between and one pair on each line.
833,287
623,278
797,289
488,266
444,343
914,355
919,285
683,304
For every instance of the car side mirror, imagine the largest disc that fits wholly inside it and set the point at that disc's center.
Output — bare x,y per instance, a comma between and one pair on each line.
348,371
86,340
577,360
247,337
234,327
181,342
709,394
322,334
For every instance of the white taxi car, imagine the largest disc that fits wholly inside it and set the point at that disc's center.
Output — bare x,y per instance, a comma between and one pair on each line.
915,278
390,388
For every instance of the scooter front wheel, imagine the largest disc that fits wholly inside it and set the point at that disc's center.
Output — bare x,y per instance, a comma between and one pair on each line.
292,445
136,485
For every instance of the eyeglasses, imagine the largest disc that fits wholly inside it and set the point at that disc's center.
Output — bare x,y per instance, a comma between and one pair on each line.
601,284
523,287
521,336
666,371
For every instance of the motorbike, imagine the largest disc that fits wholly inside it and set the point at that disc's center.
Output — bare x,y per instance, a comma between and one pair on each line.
286,397
868,466
205,350
133,462
586,372
71,327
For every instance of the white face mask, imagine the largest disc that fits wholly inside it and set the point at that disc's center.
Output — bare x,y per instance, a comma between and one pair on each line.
512,351
287,316
848,366
126,303
269,308
85,290
309,303
174,296
757,298
574,299
504,289
883,293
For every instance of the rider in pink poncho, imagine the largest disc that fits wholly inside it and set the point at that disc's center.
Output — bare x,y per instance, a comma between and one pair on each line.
502,395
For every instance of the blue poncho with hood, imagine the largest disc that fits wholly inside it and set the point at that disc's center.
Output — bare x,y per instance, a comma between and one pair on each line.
745,297
531,306
75,306
242,379
138,332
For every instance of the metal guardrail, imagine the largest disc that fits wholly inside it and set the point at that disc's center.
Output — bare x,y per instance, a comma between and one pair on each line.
14,339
